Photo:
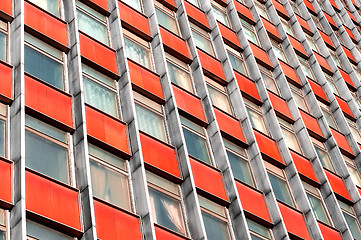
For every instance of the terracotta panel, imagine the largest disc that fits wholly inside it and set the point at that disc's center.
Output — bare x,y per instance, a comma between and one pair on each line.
46,24
6,180
107,129
337,185
280,106
304,24
290,73
342,143
349,54
328,232
252,201
268,148
212,66
196,15
189,104
170,4
312,125
159,155
145,81
6,73
229,36
98,54
310,7
134,20
330,20
280,9
175,45
48,101
326,39
271,30
6,9
229,125
344,107
303,166
261,56
323,63
243,11
294,221
43,194
203,175
247,86
346,77
297,46
115,224
163,234
318,91
101,3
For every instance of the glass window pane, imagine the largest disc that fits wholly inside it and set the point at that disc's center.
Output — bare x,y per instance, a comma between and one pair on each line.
134,4
324,158
280,189
237,63
179,76
354,175
216,229
51,6
259,229
257,121
93,27
219,99
197,146
2,235
137,53
2,138
249,32
329,119
167,21
240,168
220,16
106,157
268,79
318,208
291,140
41,232
3,46
202,42
353,225
43,67
279,52
46,129
110,185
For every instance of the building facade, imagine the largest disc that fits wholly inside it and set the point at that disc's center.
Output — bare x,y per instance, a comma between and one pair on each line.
180,119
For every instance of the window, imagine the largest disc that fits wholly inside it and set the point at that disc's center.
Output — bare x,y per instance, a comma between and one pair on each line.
335,58
47,150
317,205
238,160
236,60
150,117
354,131
3,224
268,79
3,41
305,67
109,177
338,36
299,97
355,176
136,4
196,140
290,135
280,54
219,95
92,23
322,154
255,115
311,42
166,18
331,83
100,91
220,14
350,217
261,9
3,132
44,62
258,232
249,31
295,7
321,5
356,98
137,49
279,184
328,115
215,219
202,40
317,22
52,6
357,72
179,73
286,26
165,201
37,231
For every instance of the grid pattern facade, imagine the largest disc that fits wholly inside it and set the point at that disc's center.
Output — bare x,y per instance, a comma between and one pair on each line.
180,119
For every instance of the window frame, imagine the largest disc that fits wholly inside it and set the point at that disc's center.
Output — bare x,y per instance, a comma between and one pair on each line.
299,95
261,9
239,56
354,131
223,91
280,50
321,146
250,28
257,110
286,126
4,226
222,10
351,164
206,36
170,14
326,110
60,9
351,213
269,78
184,67
287,28
311,42
305,65
335,58
258,235
4,29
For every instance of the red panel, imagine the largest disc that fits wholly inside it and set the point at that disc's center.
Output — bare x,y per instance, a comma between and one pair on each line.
294,221
333,3
107,129
330,20
146,80
159,155
197,16
344,107
304,24
290,73
134,20
271,30
98,53
229,125
211,65
229,36
346,77
329,233
7,8
45,24
163,234
297,46
268,148
337,185
342,142
280,9
243,11
280,106
5,183
261,56
322,61
189,103
247,86
48,101
304,166
310,7
349,54
203,175
101,3
326,39
52,200
252,201
174,44
170,3
312,125
317,90
6,72
351,16
114,224
349,32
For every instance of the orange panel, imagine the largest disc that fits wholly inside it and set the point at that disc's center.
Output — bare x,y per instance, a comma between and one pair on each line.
49,101
163,234
310,7
243,11
229,125
211,65
351,16
304,24
297,46
280,9
333,3
290,73
107,129
347,79
349,54
52,200
268,148
318,91
196,15
323,63
330,20
344,107
189,104
294,221
159,155
337,185
115,224
342,143
253,201
229,36
98,54
247,86
349,32
203,175
6,8
101,3
6,73
170,3
271,30
280,106
175,45
311,124
328,232
5,183
145,80
304,166
261,56
326,39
